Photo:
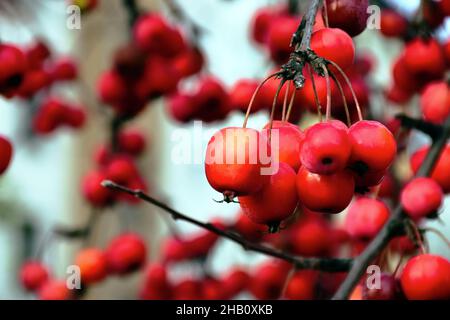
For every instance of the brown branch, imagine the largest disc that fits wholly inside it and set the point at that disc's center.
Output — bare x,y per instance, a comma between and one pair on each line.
393,225
324,264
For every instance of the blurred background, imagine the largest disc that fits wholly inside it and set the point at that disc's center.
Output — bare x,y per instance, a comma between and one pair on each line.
41,189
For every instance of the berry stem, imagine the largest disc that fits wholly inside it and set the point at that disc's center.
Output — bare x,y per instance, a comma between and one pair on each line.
291,103
316,96
286,94
324,264
437,233
274,104
327,78
344,101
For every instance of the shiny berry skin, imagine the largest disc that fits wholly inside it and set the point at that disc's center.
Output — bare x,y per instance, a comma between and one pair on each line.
132,142
290,139
241,94
319,192
235,281
393,24
426,277
335,45
261,24
326,147
182,107
92,264
74,116
94,192
348,15
279,37
126,253
247,228
307,97
54,290
435,102
233,163
365,218
441,171
33,274
387,290
302,285
424,57
64,69
276,200
156,283
267,280
310,237
189,62
404,79
373,146
121,169
421,197
6,152
111,88
211,100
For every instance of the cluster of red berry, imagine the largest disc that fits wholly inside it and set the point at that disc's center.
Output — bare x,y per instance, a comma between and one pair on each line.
125,253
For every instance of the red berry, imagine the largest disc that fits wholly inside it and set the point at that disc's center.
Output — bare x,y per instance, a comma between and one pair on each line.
174,250
189,62
387,290
334,45
54,290
111,88
441,171
12,69
94,192
393,24
435,102
241,94
132,142
36,54
261,23
302,285
365,218
290,139
33,274
348,15
326,147
126,253
373,146
267,280
426,277
421,197
129,62
33,81
182,107
310,237
212,100
92,264
424,57
398,95
235,281
6,152
247,228
160,78
402,244
75,116
121,169
276,200
64,69
404,79
188,289
156,283
233,163
279,37
307,96
318,192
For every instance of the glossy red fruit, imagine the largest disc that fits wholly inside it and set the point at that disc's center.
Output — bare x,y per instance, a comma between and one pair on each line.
200,244
247,228
160,78
335,45
387,290
233,163
121,169
234,282
126,253
373,146
33,274
279,37
189,62
441,171
311,237
435,102
188,289
424,57
132,142
156,283
33,81
318,192
12,69
64,69
365,218
426,277
182,107
94,192
92,264
111,88
404,79
326,147
397,95
302,285
54,290
268,280
307,96
211,100
6,152
290,139
348,15
241,94
402,244
275,202
75,116
261,24
36,54
421,197
393,24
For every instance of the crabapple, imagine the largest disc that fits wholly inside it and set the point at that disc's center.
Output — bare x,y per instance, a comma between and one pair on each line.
426,277
325,193
233,163
12,69
159,78
348,15
188,289
275,202
310,237
387,290
290,139
279,37
326,147
404,79
365,218
189,62
36,54
373,146
424,57
235,281
54,290
267,280
247,228
33,81
335,45
393,24
131,142
302,285
121,169
33,274
111,87
156,283
261,24
212,100
64,69
435,102
129,62
241,94
181,107
421,197
94,192
6,153
126,253
93,265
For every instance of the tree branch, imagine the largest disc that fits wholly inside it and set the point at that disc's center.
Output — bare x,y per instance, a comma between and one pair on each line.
324,264
431,129
393,225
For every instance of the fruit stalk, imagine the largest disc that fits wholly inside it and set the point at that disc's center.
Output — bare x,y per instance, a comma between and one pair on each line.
395,223
324,264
